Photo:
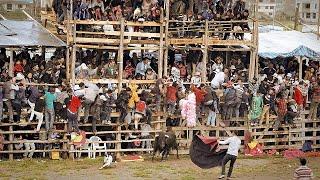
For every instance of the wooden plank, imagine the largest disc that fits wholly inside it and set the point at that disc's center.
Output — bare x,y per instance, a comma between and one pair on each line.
160,62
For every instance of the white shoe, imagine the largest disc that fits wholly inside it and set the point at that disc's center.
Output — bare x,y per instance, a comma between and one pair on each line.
221,177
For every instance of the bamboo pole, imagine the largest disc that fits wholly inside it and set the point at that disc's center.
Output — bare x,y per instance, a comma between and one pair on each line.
165,62
120,54
318,19
300,67
160,64
11,65
205,53
10,146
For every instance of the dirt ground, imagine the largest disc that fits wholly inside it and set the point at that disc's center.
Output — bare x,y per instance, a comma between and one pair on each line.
275,168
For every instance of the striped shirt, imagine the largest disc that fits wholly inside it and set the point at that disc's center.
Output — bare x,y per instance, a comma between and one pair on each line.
303,173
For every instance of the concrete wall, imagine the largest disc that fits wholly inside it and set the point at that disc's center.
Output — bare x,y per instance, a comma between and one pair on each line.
308,10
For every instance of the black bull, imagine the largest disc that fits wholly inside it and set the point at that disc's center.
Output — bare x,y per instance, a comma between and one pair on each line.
164,142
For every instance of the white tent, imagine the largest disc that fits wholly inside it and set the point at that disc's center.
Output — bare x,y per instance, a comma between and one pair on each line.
288,43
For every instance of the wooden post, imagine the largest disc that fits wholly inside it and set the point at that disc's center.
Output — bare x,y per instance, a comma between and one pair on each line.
11,65
300,67
165,62
205,52
120,54
68,63
296,18
118,144
160,64
318,19
43,52
73,64
10,147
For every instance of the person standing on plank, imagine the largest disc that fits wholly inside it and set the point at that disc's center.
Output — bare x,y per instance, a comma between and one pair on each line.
232,153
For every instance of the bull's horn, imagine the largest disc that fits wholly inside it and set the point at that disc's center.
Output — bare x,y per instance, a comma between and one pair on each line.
166,136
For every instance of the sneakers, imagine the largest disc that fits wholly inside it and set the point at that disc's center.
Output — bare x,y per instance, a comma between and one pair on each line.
221,177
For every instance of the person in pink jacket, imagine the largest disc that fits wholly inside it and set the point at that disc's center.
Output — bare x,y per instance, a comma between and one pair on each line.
188,109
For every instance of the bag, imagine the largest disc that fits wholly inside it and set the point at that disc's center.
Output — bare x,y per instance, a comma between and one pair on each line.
140,106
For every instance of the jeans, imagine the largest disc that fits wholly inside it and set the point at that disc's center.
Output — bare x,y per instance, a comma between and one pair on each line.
39,116
148,116
313,110
72,121
87,106
212,118
30,147
49,118
32,105
225,160
171,107
236,109
94,124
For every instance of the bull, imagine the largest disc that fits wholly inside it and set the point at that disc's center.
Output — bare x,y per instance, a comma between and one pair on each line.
163,143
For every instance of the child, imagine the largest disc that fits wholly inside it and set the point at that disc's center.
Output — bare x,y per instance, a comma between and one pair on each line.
150,74
303,172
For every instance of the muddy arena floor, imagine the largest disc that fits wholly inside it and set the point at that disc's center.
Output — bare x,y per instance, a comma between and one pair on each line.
275,168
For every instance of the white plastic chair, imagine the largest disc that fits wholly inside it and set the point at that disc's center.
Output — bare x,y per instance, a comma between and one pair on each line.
86,147
95,144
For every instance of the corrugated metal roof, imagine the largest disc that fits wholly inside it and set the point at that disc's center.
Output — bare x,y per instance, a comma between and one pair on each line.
26,33
16,1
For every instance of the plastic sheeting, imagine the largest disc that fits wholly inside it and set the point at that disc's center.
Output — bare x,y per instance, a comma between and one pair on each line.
26,33
288,43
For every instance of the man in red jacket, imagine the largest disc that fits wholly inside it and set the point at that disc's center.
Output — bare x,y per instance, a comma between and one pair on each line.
72,113
200,93
171,97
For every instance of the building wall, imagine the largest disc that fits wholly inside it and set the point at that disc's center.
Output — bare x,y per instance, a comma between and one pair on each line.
267,7
308,10
13,6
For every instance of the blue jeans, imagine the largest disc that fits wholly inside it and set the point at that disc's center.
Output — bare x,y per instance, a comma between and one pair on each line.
49,118
212,118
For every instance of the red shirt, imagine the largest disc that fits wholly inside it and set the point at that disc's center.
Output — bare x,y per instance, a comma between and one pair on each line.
74,104
282,106
171,94
199,94
298,97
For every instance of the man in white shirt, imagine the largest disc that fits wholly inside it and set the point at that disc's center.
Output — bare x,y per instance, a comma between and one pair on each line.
142,67
232,153
219,78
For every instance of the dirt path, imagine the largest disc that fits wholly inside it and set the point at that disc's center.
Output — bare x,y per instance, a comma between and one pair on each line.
173,169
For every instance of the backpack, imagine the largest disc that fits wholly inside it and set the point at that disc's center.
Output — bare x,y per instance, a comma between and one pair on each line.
140,106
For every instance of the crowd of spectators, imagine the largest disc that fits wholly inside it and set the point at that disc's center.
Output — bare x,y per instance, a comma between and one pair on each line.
276,96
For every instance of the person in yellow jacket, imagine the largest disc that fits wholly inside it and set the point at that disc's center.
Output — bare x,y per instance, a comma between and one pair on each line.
134,95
